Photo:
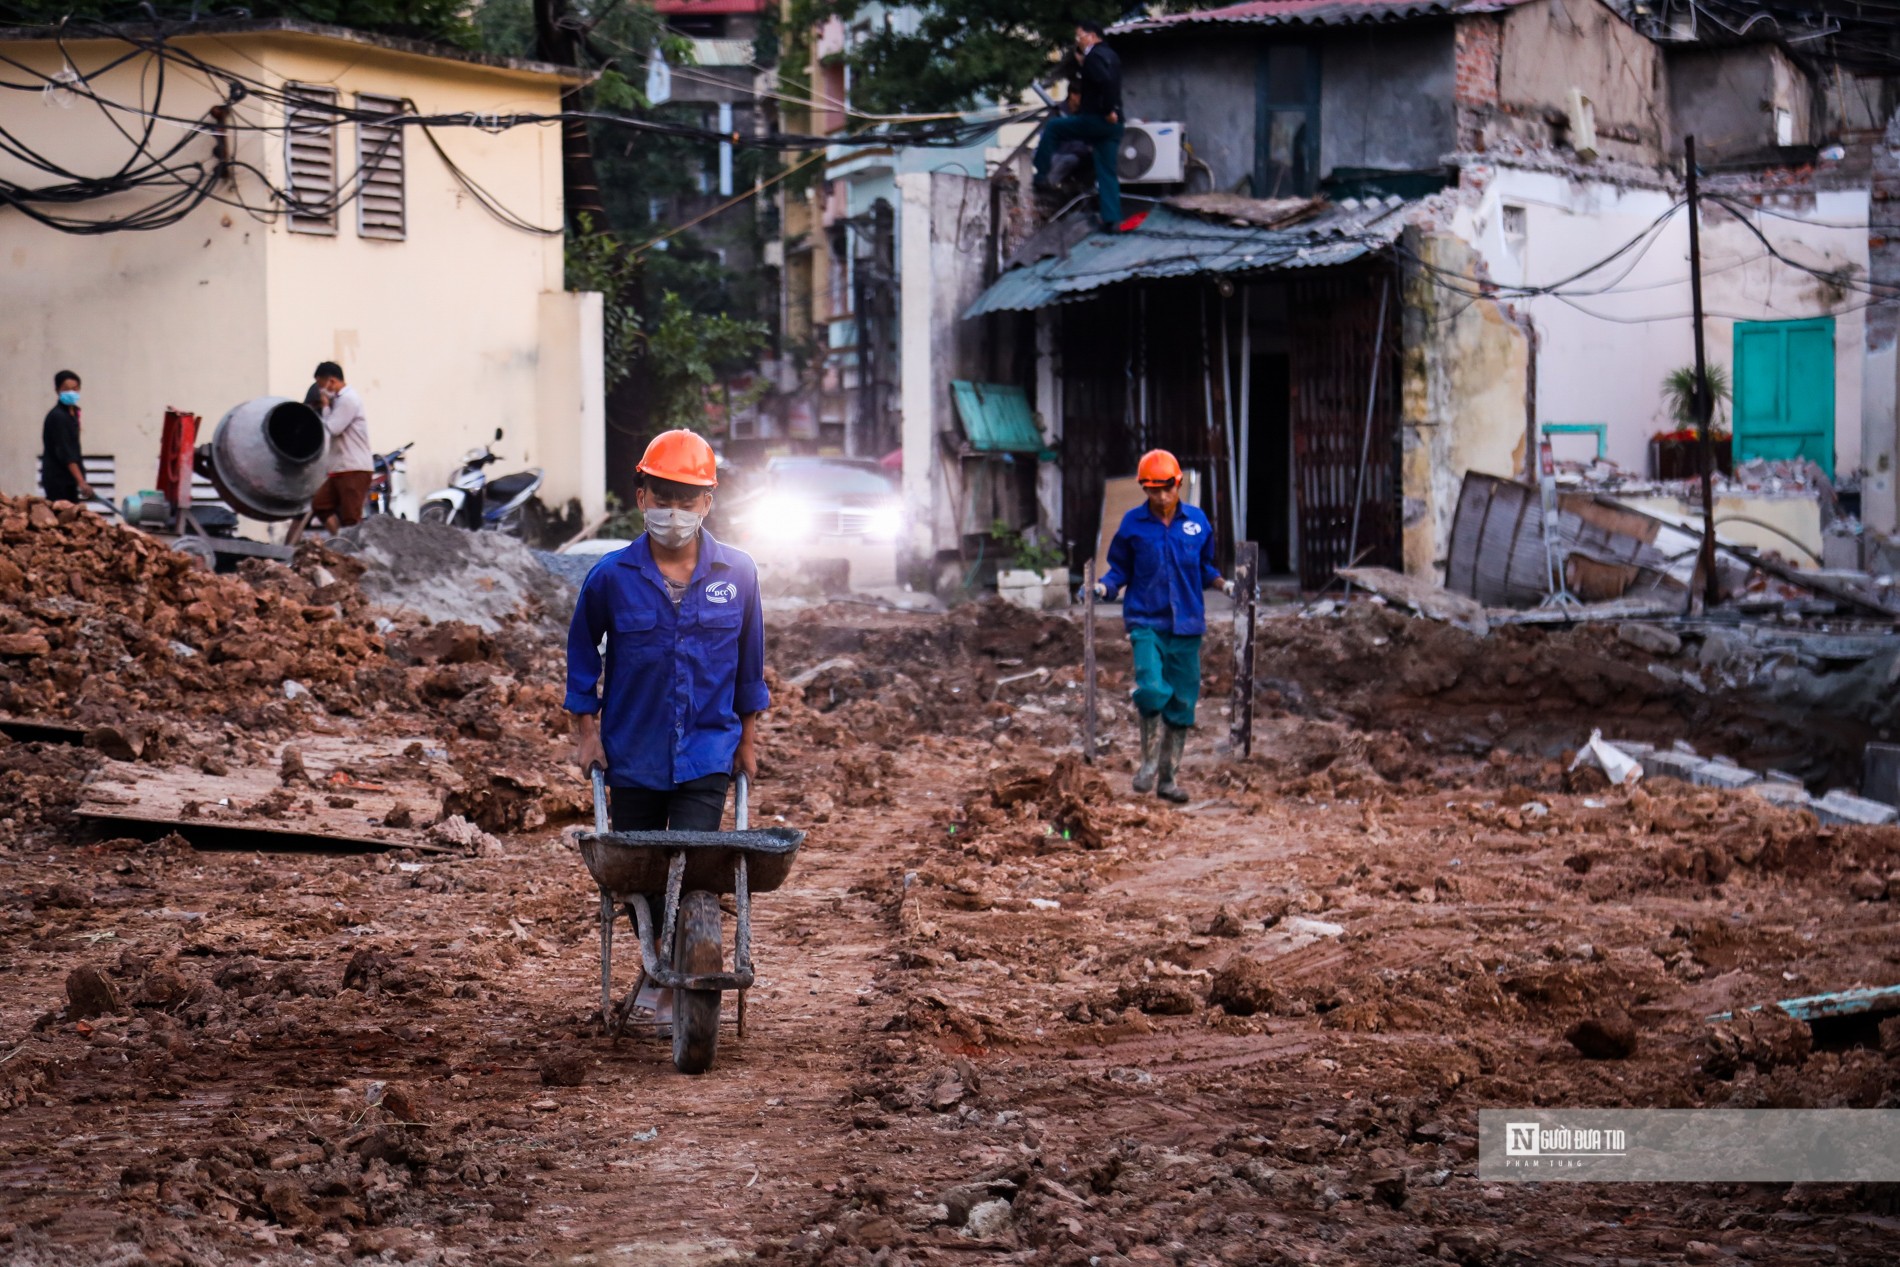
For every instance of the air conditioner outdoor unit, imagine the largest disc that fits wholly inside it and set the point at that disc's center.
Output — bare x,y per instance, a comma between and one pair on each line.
1151,154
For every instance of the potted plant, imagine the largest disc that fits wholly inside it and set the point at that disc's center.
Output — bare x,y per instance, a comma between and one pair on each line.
1036,577
1676,454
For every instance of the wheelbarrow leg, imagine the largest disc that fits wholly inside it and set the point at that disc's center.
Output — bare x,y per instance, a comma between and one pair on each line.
742,934
607,916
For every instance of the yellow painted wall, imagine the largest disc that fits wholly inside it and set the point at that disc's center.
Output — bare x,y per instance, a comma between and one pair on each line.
150,319
446,334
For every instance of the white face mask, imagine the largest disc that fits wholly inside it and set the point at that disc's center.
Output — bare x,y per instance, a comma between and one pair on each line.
673,528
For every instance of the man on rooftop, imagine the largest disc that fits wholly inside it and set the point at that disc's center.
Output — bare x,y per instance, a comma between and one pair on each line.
1097,119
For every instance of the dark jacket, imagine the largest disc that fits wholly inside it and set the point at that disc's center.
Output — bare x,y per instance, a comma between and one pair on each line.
1100,84
59,453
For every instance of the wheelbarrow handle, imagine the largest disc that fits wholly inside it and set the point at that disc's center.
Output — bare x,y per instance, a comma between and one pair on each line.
741,804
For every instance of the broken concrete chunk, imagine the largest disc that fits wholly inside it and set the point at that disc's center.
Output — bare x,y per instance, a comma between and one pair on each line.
1843,807
988,1220
1674,765
1717,772
1648,638
1788,796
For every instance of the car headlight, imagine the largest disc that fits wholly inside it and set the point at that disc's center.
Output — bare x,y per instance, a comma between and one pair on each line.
886,523
782,515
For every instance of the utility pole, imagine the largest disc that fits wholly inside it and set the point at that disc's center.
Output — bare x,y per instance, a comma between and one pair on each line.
1704,402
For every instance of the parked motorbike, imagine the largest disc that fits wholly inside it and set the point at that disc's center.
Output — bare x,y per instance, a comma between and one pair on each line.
479,504
389,483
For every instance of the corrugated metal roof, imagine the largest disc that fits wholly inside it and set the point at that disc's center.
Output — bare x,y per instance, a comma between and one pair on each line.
1314,13
996,418
1172,244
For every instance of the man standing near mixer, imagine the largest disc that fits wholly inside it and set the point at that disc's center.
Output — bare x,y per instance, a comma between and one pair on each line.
340,498
671,711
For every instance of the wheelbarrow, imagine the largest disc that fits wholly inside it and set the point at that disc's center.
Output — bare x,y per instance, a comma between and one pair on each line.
693,868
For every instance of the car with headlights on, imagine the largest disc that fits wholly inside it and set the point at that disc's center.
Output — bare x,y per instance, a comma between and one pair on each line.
803,511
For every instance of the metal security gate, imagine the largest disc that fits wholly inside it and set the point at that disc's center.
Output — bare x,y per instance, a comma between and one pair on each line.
1335,331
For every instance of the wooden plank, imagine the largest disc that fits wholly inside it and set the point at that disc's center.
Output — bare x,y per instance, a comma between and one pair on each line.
29,730
256,798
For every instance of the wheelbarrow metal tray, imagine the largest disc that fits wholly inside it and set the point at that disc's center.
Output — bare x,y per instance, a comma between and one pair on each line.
635,861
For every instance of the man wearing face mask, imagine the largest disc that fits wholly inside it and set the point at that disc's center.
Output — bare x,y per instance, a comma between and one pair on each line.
339,499
61,473
670,713
1163,553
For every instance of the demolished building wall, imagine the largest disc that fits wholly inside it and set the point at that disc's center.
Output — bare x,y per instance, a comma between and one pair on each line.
1729,98
1534,228
1548,50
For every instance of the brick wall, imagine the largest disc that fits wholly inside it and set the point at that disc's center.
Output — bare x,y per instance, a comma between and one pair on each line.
1476,46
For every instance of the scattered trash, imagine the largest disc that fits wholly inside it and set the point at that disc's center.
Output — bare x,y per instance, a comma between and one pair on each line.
1045,904
1621,769
294,689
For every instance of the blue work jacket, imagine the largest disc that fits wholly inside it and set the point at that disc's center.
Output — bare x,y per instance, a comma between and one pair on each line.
676,682
1165,568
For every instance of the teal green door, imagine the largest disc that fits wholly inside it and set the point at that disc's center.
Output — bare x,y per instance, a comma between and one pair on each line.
1784,390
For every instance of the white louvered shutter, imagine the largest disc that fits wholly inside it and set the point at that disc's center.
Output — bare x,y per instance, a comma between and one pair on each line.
310,159
379,207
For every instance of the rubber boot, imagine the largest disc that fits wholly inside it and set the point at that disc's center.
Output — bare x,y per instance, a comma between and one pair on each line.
1150,752
1172,742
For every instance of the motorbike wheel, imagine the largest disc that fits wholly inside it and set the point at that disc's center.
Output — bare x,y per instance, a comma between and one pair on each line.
697,947
436,513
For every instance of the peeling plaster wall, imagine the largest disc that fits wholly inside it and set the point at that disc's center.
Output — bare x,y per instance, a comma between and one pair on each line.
944,242
1466,379
1880,507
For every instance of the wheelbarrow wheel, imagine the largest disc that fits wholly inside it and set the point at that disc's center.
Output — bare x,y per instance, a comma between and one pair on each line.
697,947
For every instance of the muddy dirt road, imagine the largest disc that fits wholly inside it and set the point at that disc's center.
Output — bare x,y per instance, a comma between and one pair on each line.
1007,1011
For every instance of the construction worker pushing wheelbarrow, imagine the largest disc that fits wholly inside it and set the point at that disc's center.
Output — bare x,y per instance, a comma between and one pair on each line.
1163,554
669,714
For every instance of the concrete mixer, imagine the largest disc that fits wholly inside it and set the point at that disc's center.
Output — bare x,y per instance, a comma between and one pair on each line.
266,457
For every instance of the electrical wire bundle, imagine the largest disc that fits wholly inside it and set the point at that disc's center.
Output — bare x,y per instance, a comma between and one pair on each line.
182,184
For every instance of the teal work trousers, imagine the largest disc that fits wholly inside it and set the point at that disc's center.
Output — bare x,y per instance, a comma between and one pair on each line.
1167,674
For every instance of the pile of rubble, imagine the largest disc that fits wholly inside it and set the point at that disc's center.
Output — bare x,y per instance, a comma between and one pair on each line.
109,636
98,621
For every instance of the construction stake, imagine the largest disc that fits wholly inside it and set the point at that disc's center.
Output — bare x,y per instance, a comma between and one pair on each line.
1246,614
1088,662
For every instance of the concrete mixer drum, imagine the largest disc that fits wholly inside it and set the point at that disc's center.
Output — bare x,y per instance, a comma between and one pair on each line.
267,457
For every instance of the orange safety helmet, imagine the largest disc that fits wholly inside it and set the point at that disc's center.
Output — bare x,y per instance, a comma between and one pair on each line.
1157,468
681,456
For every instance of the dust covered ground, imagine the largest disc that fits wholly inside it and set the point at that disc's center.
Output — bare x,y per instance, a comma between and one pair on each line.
1006,1011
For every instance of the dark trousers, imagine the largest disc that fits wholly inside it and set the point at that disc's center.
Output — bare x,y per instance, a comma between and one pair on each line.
1105,139
696,805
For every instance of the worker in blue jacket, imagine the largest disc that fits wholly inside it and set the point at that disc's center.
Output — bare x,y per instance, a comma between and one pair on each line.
1163,554
684,673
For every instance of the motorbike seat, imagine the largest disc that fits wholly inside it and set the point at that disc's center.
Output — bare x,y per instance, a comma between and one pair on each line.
508,487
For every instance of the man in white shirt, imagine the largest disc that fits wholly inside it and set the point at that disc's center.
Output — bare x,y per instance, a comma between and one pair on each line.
339,501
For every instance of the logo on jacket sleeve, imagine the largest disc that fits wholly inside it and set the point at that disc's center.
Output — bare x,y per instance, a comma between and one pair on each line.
1190,528
721,592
